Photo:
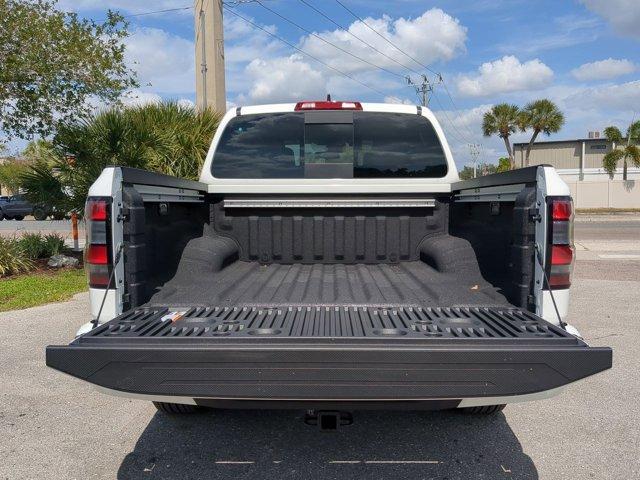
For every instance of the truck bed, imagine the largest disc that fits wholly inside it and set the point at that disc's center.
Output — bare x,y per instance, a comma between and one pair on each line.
347,300
403,284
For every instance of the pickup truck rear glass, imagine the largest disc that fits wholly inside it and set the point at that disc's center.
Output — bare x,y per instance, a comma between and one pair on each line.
288,145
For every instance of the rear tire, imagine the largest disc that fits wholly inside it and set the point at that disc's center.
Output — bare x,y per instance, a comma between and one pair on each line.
39,214
1,216
176,408
18,217
484,410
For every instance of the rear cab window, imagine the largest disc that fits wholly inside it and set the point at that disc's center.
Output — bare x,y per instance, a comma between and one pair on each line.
329,144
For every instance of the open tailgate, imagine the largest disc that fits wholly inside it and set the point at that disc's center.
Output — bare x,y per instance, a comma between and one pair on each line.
329,353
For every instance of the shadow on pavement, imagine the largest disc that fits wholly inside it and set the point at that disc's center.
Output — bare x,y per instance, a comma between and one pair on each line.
277,445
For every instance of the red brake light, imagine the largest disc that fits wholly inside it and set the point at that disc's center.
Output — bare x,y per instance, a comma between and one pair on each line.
97,255
324,105
560,249
561,210
97,210
561,255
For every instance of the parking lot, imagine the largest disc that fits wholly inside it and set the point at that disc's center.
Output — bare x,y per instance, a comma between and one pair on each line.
53,426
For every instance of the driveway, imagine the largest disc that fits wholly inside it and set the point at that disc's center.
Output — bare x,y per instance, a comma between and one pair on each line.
55,427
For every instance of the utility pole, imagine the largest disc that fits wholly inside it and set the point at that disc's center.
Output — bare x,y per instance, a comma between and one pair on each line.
210,81
474,151
424,89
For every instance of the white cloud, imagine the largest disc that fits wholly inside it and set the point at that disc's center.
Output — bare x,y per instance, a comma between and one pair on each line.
433,36
398,100
624,97
138,98
261,70
467,121
567,31
505,75
462,127
243,43
603,69
163,61
185,103
283,79
624,15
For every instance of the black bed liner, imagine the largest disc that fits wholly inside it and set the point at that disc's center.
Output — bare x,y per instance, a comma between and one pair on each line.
329,353
406,283
335,322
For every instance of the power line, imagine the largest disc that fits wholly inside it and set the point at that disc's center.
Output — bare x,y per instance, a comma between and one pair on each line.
166,10
346,75
384,37
454,130
327,41
346,30
455,106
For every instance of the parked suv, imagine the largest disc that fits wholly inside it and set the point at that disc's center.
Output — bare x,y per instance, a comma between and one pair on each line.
15,207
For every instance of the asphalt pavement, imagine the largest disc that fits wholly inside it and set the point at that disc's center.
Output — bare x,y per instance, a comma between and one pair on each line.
56,427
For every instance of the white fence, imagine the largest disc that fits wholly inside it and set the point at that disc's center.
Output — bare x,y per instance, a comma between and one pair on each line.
605,194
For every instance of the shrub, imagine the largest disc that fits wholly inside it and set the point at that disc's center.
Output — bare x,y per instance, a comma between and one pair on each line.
32,245
36,245
53,244
13,258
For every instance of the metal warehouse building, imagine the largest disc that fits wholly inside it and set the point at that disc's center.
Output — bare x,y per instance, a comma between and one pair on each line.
579,162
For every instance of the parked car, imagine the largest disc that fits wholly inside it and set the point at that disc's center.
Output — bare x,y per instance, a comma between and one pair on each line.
15,207
42,212
330,259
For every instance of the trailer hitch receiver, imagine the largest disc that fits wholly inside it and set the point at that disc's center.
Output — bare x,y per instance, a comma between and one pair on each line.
328,421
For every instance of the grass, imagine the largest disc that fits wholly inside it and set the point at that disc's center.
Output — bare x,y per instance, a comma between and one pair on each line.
31,290
606,211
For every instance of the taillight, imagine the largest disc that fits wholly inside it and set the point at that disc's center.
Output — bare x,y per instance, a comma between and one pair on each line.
98,254
328,105
561,253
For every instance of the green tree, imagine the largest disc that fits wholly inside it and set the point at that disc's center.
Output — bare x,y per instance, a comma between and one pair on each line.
52,63
542,116
625,150
504,165
482,169
166,138
39,151
503,120
11,172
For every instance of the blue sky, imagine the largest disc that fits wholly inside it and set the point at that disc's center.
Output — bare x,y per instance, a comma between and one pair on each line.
583,54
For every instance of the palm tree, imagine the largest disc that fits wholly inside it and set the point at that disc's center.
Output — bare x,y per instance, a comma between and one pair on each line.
541,116
504,120
164,137
630,151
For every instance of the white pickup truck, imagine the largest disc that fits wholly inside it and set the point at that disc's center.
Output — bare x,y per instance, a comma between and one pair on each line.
330,259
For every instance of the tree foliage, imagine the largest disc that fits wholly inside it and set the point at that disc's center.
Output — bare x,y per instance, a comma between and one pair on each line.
11,172
504,165
504,120
166,138
482,169
53,64
541,116
626,149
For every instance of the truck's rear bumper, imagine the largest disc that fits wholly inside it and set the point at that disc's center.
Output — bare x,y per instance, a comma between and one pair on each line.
329,372
487,353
